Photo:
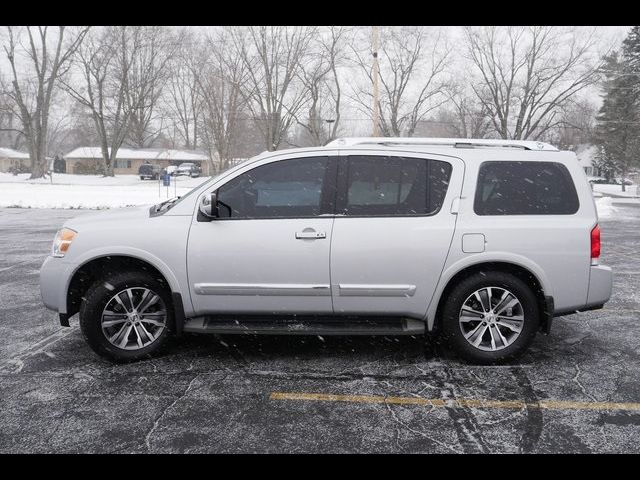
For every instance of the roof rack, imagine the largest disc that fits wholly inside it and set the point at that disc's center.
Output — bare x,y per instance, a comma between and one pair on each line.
448,142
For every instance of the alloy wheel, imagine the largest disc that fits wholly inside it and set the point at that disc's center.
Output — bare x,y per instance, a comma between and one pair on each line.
491,318
134,318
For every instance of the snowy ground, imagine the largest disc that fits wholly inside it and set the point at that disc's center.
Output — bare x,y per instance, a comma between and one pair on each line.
88,191
605,207
616,190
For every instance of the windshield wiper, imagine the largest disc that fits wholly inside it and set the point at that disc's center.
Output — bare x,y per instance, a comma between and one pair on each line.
166,205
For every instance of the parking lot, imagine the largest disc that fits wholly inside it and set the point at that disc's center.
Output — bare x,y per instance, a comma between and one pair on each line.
575,391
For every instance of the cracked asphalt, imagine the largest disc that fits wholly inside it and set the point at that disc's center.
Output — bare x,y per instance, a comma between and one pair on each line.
213,393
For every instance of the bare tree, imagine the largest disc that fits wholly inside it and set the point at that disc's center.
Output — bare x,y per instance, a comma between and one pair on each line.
272,58
11,132
147,75
577,125
104,63
413,64
219,83
319,76
471,117
38,57
183,99
57,133
526,75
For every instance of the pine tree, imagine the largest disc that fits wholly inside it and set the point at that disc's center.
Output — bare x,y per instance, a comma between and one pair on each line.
631,56
618,121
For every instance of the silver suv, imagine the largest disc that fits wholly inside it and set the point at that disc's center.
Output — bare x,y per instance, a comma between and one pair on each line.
482,241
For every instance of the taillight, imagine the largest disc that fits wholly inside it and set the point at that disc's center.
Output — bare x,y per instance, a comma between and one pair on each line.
595,243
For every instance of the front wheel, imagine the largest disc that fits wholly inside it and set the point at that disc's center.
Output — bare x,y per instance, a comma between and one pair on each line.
490,317
127,316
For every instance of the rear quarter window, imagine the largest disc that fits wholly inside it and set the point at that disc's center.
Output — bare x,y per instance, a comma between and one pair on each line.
525,188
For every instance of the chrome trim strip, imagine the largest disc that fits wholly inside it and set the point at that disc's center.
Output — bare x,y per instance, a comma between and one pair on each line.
367,290
263,289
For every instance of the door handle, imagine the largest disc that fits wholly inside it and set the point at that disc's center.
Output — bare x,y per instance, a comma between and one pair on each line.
310,234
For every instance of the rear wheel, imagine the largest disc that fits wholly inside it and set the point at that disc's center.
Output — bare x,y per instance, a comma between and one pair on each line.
490,317
127,316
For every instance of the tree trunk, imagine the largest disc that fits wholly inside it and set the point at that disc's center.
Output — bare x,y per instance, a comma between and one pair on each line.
38,161
37,171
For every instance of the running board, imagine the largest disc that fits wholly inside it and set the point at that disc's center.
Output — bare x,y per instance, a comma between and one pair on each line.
297,325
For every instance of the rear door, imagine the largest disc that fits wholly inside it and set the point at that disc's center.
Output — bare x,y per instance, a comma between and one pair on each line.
392,231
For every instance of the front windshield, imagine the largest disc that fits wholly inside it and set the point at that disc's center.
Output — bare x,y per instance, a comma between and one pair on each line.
167,204
172,202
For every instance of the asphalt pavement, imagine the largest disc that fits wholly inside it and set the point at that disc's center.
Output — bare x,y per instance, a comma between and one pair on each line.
577,390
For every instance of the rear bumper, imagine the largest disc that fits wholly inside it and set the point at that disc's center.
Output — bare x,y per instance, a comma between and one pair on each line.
599,293
600,285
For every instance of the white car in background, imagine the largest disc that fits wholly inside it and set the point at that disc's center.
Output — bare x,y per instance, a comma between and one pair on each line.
189,169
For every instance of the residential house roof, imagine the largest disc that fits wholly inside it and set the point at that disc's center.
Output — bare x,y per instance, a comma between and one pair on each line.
11,153
140,154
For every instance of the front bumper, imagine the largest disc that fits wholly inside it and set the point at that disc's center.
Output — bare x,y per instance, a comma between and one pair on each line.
54,278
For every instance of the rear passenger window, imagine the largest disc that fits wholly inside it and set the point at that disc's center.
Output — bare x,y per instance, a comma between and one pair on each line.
525,188
385,186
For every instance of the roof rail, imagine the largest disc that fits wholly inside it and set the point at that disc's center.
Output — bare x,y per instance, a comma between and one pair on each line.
449,142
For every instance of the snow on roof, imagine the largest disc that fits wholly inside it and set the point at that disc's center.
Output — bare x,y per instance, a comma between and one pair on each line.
140,154
11,153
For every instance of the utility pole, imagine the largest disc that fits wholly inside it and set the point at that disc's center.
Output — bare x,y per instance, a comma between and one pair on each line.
376,79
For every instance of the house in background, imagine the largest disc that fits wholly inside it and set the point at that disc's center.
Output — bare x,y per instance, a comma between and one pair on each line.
11,159
586,154
88,160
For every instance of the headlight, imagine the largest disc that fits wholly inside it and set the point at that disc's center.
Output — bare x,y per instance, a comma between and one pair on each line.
62,242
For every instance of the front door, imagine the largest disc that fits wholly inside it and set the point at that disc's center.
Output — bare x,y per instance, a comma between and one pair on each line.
269,249
392,232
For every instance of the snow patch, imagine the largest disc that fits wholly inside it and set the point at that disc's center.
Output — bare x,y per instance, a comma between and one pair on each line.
605,207
631,191
88,191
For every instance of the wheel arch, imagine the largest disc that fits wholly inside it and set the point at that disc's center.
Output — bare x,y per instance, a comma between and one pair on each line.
91,268
530,274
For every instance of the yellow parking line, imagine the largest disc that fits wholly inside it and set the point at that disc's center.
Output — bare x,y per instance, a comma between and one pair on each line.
458,402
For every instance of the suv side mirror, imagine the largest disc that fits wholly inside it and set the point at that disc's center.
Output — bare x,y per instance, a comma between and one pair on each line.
209,206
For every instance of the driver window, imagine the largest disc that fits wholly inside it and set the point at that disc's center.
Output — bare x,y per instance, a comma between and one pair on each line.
288,188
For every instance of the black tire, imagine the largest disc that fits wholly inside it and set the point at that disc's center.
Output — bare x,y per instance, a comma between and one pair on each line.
94,302
452,331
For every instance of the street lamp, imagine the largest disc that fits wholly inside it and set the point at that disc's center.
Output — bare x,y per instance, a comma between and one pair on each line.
329,122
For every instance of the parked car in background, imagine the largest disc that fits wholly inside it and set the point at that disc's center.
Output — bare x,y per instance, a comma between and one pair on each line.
190,169
149,171
171,170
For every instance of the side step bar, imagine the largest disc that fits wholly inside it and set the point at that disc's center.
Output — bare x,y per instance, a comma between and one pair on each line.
298,325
